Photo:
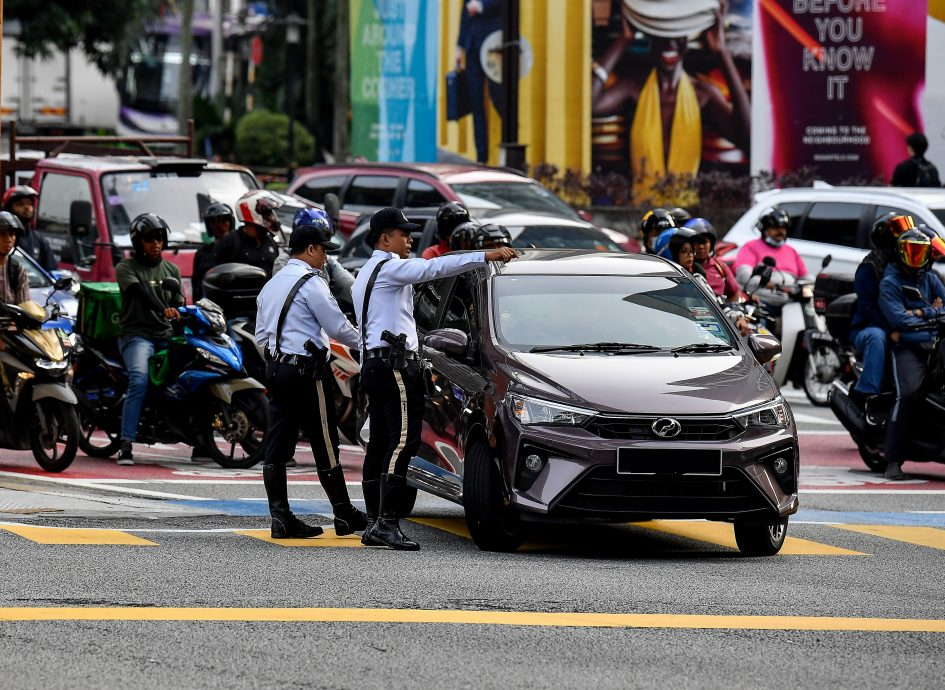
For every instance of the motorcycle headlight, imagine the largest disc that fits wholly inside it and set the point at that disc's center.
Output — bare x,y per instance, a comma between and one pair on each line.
771,416
533,411
51,365
212,358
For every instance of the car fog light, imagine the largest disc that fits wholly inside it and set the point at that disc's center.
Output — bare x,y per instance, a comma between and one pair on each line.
533,462
780,465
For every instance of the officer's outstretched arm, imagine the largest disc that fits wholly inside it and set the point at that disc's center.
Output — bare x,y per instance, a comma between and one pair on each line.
410,271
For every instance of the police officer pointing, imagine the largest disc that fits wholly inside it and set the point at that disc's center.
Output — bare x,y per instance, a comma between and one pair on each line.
295,309
390,372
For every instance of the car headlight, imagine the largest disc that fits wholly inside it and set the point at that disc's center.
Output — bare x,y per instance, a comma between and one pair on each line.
771,416
52,365
532,411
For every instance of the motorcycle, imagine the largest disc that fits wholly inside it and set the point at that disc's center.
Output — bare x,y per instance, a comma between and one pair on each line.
37,408
198,394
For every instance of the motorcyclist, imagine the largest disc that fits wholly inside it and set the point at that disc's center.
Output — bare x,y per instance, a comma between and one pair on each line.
253,243
911,348
773,224
491,236
654,222
463,235
717,273
448,217
219,221
14,283
680,216
146,309
20,200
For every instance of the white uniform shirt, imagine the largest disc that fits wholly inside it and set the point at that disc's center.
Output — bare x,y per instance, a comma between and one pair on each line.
391,305
313,312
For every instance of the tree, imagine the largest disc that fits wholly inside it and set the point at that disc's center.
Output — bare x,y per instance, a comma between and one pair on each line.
99,28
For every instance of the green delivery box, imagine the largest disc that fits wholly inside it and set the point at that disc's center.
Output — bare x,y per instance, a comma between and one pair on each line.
99,310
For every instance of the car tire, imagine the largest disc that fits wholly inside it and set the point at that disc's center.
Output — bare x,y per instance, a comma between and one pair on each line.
492,523
758,538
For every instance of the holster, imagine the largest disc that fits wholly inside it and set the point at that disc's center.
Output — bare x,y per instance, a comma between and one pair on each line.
397,353
319,360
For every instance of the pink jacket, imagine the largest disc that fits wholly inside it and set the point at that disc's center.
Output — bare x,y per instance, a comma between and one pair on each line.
785,257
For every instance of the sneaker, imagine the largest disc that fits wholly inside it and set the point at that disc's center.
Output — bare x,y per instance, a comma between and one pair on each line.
124,455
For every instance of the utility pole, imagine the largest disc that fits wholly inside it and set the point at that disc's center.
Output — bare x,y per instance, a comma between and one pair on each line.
217,64
342,133
185,104
512,153
313,57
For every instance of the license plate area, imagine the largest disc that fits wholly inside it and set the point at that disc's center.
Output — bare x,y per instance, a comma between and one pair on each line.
670,461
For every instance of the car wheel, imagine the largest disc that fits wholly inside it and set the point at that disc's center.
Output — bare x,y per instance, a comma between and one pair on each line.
873,458
760,538
493,524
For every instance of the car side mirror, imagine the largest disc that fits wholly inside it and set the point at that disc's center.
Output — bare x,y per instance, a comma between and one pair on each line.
80,218
450,341
912,292
171,285
766,348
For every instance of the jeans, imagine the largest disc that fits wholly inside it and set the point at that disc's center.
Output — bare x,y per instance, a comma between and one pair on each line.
871,341
135,351
909,368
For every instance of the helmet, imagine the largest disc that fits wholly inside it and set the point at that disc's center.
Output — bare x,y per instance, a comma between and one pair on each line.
703,227
887,229
10,221
258,208
914,250
147,224
17,192
773,217
655,221
463,236
677,240
661,243
938,244
312,218
491,235
448,217
217,210
680,216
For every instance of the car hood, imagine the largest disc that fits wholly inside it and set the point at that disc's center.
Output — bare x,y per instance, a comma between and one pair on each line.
690,384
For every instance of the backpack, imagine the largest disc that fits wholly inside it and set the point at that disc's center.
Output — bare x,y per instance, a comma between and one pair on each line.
926,175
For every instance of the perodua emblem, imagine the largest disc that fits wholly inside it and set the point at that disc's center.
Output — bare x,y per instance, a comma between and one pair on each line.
665,427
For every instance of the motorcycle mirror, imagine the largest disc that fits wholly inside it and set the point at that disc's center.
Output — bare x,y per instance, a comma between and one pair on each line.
333,208
913,293
63,283
826,261
171,285
766,275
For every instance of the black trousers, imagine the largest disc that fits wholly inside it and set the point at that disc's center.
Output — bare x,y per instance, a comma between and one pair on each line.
299,401
395,404
909,369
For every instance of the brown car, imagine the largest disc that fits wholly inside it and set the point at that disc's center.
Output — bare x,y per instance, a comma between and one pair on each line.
570,385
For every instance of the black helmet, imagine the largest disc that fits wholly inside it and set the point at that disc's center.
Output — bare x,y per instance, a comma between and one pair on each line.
887,229
773,217
678,239
10,221
654,222
463,236
914,250
680,216
449,216
218,210
703,228
491,235
147,224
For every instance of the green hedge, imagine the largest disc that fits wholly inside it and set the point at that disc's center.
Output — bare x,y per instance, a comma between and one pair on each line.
262,139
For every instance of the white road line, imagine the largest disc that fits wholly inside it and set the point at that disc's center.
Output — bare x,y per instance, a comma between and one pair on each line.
888,492
811,419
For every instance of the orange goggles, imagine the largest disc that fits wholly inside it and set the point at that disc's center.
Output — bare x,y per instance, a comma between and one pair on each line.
915,254
899,225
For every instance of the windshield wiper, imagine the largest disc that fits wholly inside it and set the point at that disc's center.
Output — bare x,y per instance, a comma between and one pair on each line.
703,347
598,347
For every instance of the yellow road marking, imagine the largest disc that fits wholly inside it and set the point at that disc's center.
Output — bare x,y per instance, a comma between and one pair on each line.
329,538
921,536
458,527
459,617
58,535
723,534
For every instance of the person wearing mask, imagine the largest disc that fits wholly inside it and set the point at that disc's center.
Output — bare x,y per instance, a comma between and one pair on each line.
910,351
296,316
773,224
14,283
717,273
448,217
20,200
146,312
654,222
390,369
219,221
253,243
916,171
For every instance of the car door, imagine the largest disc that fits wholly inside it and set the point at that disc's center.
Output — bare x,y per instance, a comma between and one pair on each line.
56,194
834,228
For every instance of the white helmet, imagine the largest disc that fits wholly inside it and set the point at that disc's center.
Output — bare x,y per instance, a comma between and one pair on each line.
258,207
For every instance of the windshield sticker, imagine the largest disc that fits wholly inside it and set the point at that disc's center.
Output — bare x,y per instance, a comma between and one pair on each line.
506,316
711,328
140,186
701,313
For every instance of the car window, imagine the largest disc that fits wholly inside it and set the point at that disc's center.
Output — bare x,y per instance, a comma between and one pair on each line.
36,277
562,237
939,213
52,219
428,303
316,188
422,195
833,223
368,192
883,210
523,195
457,311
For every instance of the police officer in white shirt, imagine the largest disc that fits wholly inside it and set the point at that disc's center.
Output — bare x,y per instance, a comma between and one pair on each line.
390,372
295,309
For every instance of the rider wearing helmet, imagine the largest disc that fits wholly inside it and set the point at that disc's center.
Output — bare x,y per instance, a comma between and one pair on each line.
20,200
654,222
146,308
449,216
14,283
219,221
463,235
680,216
717,273
773,224
491,236
253,243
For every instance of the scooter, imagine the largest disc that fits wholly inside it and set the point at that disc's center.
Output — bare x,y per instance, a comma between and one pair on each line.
37,409
198,393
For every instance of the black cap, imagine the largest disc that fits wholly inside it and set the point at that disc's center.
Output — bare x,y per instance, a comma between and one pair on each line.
305,235
388,219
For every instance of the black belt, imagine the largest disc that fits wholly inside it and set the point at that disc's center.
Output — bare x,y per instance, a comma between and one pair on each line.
296,360
379,352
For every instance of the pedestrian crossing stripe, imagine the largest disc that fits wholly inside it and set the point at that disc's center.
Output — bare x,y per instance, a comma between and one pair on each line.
61,535
920,536
328,538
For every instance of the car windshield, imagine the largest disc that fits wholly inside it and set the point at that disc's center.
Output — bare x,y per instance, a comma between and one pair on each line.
561,311
522,195
178,199
562,237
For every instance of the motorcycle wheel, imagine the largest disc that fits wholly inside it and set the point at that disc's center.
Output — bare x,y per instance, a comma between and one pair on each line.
234,435
100,397
821,367
54,434
97,448
873,458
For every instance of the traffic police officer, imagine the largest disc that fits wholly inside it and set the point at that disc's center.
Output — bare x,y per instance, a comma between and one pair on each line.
390,371
295,309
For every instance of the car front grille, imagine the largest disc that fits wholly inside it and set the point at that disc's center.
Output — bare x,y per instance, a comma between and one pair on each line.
640,429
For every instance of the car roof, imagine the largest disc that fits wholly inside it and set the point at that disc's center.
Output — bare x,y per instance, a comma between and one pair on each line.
448,172
587,262
104,164
526,218
929,196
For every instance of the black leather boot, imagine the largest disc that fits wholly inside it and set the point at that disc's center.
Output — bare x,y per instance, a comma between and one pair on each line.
284,524
348,519
372,501
386,529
